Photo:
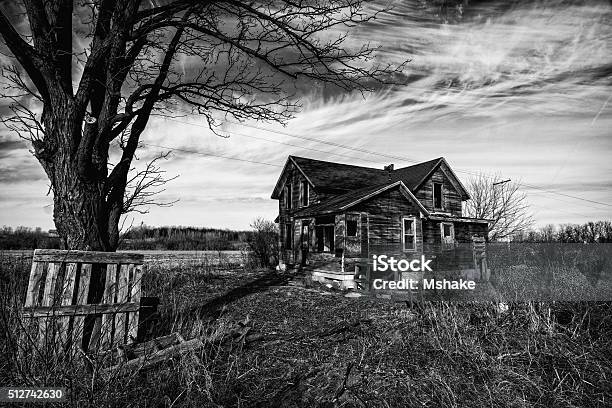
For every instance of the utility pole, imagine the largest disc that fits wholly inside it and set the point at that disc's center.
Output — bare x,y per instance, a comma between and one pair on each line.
501,182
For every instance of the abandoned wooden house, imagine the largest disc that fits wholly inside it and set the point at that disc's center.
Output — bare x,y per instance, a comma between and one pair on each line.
333,217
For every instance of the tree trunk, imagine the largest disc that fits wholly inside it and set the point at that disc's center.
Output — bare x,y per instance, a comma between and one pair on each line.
80,211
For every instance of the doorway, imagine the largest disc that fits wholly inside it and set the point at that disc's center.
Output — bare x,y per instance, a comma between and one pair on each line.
304,241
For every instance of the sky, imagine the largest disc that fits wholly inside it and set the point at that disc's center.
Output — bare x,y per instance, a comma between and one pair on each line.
521,90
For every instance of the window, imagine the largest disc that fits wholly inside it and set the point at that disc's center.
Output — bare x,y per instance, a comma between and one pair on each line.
409,234
288,236
351,228
437,195
325,238
304,194
304,236
288,197
447,230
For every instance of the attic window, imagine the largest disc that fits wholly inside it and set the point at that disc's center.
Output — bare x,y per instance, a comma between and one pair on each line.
288,197
304,193
437,195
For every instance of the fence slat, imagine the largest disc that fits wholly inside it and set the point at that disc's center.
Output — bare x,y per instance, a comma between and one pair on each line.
49,291
67,293
34,283
135,292
46,332
122,297
109,296
81,299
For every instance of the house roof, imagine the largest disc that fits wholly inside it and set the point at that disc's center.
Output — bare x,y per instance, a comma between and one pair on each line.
330,175
325,175
347,200
414,175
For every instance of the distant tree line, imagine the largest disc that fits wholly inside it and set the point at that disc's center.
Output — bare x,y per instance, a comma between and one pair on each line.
138,238
27,238
589,232
179,238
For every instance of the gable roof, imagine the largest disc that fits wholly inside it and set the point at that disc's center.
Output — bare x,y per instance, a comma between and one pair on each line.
347,200
414,175
325,175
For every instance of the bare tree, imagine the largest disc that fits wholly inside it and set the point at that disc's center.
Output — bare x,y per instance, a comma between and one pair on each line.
263,242
87,72
501,202
144,185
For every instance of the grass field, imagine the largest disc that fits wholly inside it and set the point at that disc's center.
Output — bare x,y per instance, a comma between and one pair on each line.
267,344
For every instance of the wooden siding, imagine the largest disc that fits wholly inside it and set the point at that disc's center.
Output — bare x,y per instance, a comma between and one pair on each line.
463,232
451,196
352,245
460,257
385,213
293,177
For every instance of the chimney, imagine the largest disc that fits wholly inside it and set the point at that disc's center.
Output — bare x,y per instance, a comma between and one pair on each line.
389,170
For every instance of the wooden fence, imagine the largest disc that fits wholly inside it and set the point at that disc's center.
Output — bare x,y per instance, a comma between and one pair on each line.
83,298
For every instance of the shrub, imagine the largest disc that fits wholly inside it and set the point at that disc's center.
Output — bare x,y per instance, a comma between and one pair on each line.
263,242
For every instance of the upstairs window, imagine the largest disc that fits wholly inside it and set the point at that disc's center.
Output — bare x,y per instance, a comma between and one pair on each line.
437,195
304,194
409,234
288,197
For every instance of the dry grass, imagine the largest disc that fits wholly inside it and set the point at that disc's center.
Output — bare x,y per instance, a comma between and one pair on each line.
270,345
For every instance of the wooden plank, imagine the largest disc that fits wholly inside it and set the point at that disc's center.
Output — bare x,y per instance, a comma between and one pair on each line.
109,296
154,358
159,343
135,293
34,283
81,299
66,295
68,284
94,341
49,291
80,310
122,297
56,255
45,325
84,280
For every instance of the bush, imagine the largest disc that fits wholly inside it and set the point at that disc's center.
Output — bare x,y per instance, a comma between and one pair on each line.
263,242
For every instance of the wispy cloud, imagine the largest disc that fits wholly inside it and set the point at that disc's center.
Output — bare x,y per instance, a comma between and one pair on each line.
517,88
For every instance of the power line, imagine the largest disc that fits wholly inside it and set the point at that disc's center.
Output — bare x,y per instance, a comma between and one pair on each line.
278,142
566,195
412,160
327,142
210,154
371,152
